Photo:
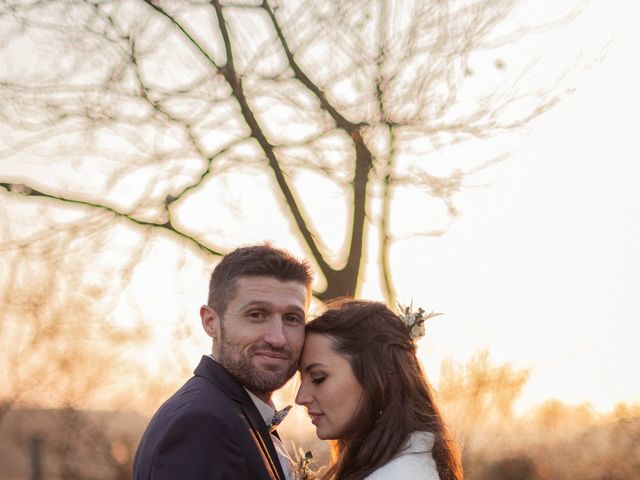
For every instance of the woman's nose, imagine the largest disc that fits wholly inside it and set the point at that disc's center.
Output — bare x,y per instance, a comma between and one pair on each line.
302,397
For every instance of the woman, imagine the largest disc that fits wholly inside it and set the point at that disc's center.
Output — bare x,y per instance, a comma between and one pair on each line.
364,388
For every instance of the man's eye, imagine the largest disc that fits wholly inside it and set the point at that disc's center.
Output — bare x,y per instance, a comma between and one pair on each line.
294,319
256,314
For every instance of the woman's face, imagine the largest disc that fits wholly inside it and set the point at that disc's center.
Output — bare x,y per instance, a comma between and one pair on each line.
329,390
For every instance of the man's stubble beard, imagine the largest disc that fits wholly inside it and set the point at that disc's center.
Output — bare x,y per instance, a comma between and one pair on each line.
239,365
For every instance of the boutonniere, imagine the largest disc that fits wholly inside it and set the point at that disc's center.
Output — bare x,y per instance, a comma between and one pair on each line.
303,466
277,418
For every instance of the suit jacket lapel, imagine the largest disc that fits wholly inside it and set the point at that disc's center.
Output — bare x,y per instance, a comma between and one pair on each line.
212,370
260,432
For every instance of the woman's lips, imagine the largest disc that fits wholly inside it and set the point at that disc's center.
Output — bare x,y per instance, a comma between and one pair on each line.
315,417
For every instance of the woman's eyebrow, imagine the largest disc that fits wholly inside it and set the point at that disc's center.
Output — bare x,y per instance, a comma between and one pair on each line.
312,365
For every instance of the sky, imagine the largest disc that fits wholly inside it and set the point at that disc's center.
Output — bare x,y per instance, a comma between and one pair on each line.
542,265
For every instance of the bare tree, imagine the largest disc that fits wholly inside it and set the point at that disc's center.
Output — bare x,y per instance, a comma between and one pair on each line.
142,107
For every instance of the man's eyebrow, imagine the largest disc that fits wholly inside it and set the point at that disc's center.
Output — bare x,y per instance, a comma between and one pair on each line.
267,304
312,365
263,304
252,303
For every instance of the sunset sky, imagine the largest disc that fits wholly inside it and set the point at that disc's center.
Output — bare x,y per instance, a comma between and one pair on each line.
542,265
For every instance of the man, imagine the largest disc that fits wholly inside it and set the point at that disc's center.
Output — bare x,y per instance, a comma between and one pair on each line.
216,425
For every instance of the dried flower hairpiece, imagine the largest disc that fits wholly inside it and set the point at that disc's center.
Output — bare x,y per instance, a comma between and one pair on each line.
414,321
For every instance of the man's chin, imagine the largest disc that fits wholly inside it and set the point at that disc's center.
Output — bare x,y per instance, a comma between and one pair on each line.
274,376
268,382
263,363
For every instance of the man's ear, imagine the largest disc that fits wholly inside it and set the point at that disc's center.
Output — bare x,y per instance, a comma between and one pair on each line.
210,321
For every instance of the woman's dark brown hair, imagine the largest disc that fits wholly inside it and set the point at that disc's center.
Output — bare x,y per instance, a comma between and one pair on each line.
397,398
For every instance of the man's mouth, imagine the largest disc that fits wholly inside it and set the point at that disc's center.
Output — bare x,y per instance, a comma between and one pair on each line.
272,359
274,355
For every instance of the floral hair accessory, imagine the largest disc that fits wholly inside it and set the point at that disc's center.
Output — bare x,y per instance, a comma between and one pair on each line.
414,321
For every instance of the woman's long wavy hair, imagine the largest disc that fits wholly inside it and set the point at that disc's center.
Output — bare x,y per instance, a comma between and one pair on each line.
397,399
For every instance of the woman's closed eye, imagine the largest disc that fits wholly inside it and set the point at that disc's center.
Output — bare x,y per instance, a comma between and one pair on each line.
318,380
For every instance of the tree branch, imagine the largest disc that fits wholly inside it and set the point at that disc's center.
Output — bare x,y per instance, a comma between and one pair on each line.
341,122
256,132
363,165
26,190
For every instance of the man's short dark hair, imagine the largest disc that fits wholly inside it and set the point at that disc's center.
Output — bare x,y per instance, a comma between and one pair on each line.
254,261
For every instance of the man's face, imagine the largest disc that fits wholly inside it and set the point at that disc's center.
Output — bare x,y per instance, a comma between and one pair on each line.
259,337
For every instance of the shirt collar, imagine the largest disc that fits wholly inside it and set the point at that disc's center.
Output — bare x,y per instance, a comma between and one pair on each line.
266,411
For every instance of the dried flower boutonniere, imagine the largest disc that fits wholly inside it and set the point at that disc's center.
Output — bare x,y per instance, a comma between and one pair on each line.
304,470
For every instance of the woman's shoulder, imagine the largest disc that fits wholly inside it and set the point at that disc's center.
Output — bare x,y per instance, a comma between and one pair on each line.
414,461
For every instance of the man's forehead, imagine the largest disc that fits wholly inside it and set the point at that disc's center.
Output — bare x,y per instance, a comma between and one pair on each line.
256,288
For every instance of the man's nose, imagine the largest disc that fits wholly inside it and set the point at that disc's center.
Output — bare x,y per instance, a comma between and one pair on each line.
274,335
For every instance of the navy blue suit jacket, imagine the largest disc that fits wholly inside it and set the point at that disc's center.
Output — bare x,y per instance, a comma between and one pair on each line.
210,429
